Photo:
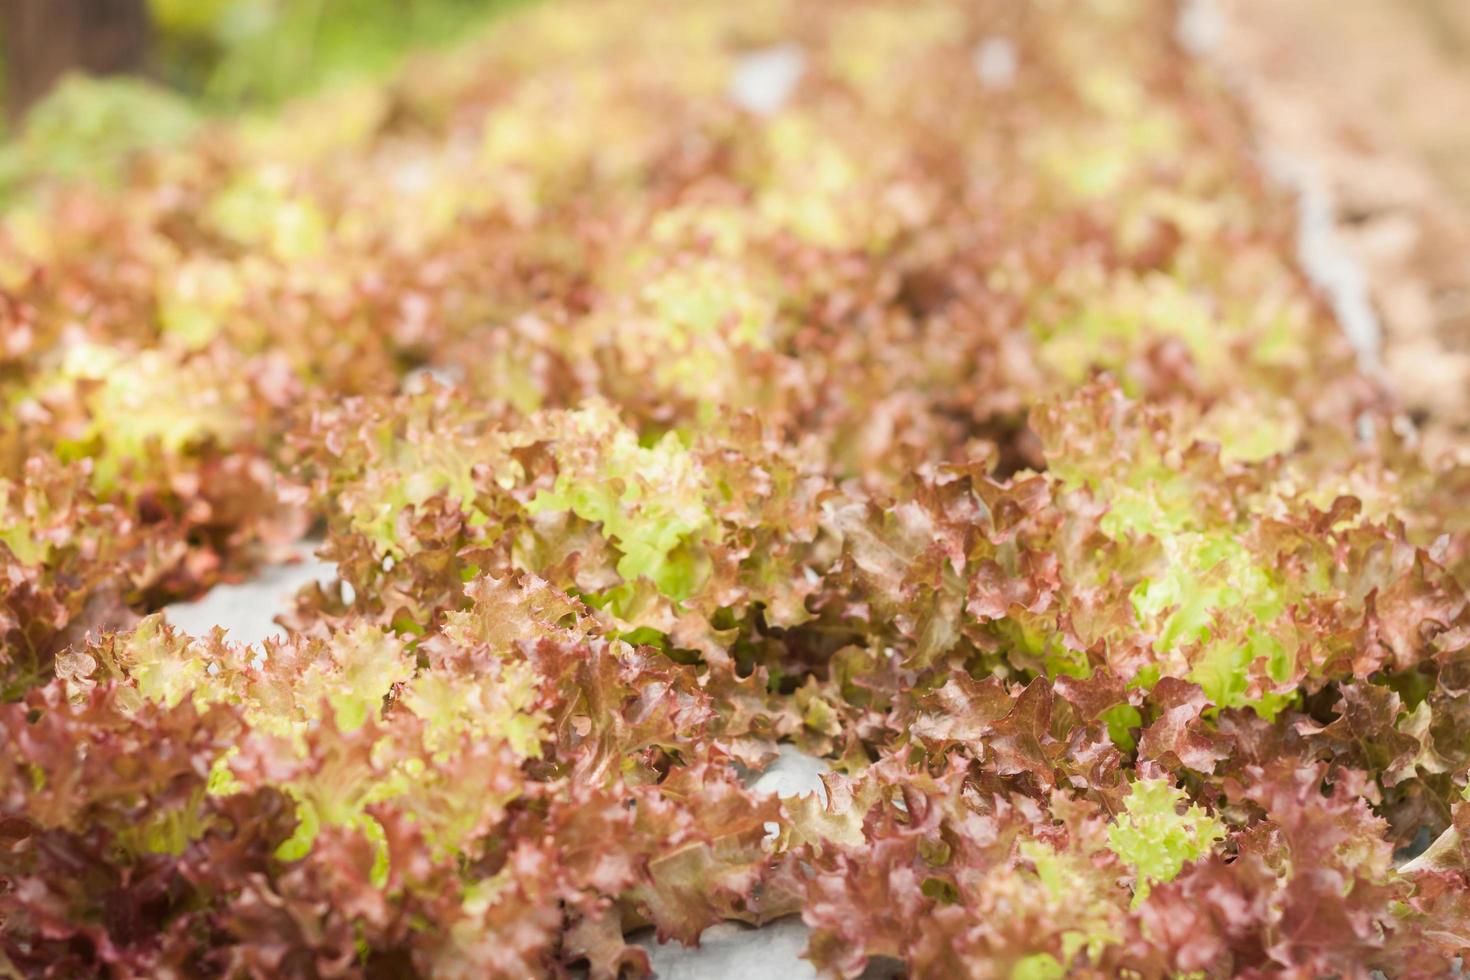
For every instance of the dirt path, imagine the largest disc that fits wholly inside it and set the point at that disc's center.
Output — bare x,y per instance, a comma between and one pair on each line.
1375,95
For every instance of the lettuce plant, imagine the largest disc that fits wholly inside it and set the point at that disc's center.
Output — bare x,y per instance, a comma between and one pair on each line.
979,436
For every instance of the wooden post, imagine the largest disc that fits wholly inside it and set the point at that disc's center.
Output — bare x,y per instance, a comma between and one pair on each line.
44,39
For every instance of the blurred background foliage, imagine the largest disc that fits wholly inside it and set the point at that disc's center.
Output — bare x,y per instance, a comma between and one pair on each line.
205,58
235,53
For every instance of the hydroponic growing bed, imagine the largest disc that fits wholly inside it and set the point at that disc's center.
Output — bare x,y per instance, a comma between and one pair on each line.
944,401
